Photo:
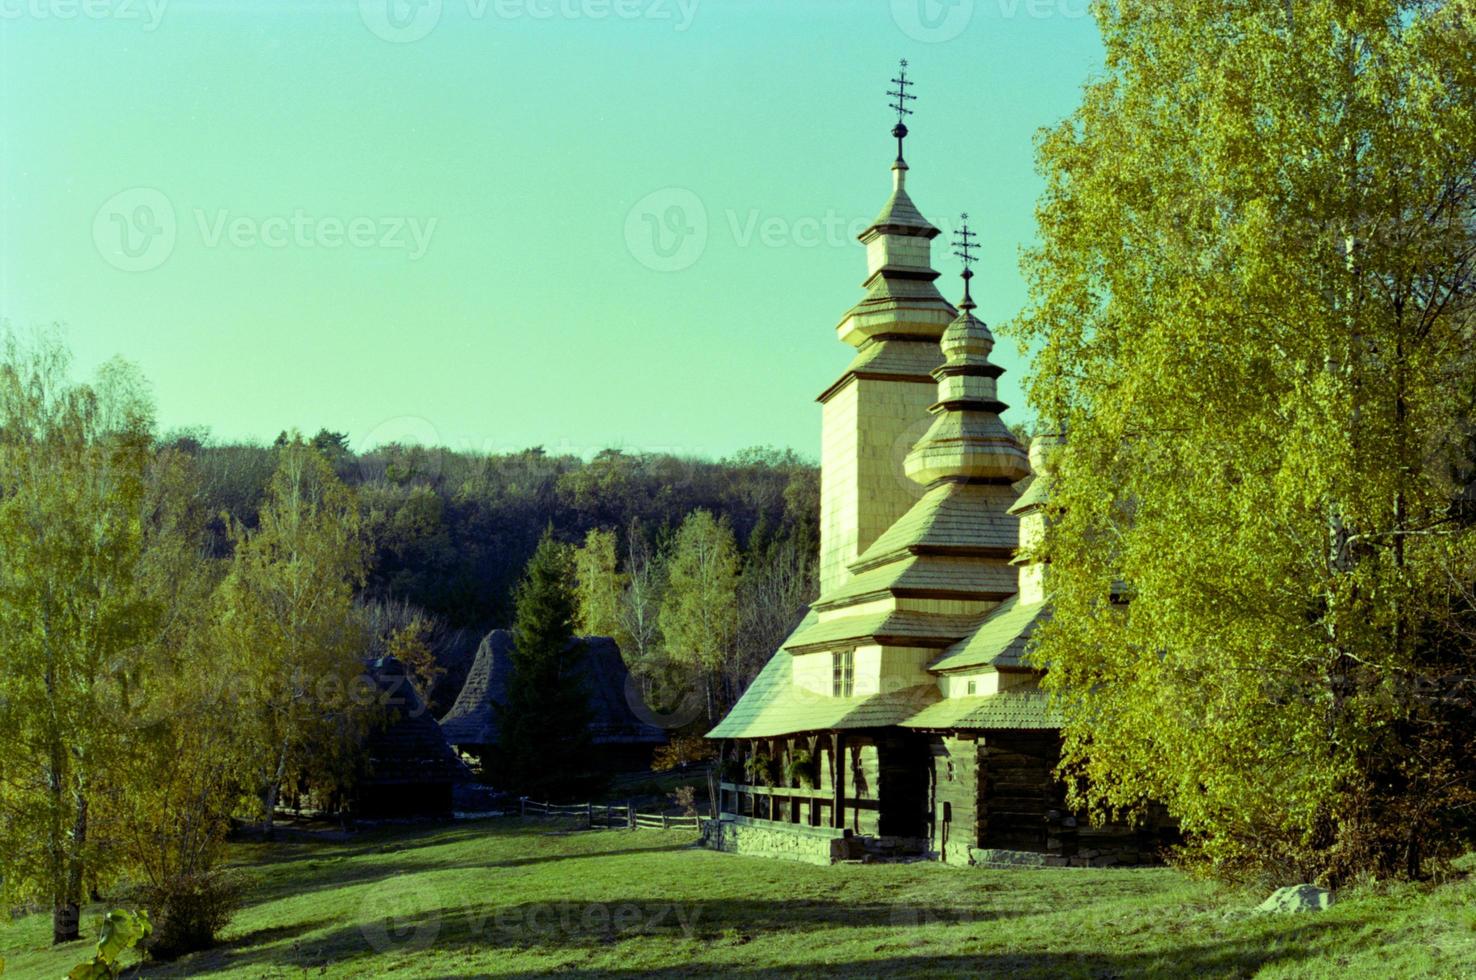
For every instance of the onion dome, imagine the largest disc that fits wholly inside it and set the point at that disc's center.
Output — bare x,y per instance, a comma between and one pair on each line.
967,441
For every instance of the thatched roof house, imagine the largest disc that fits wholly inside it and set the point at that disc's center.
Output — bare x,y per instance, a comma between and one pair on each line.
471,724
411,767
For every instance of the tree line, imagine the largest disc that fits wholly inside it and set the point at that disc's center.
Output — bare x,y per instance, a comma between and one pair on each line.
184,627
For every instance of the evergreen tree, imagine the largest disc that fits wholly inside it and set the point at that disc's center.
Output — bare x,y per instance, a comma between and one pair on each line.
543,740
1252,300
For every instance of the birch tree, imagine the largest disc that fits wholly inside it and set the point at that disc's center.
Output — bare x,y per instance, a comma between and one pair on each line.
1251,305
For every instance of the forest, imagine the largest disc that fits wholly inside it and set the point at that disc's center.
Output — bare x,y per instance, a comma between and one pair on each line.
188,622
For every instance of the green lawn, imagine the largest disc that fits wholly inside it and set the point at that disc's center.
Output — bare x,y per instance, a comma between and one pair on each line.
501,898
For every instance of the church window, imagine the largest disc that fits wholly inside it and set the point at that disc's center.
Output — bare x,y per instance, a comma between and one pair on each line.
843,673
971,686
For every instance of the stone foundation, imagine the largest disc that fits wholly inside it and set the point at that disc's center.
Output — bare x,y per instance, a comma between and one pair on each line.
993,857
791,842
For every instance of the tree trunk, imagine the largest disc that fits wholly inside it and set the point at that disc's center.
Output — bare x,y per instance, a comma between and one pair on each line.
274,789
66,914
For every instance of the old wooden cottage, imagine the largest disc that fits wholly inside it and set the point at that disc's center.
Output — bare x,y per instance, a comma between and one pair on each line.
621,739
902,714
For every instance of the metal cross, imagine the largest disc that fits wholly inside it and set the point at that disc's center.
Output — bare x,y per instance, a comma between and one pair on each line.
900,97
964,244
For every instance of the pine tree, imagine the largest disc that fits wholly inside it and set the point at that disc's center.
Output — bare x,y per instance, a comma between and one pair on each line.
543,739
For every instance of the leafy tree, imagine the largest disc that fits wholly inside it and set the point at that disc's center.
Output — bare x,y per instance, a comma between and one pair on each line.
1252,303
285,611
411,645
599,585
75,611
639,628
699,616
773,589
543,747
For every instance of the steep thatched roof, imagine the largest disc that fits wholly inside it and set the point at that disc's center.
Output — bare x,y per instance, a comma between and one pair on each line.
410,748
454,655
472,720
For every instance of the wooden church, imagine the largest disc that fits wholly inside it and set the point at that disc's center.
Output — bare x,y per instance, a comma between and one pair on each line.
901,716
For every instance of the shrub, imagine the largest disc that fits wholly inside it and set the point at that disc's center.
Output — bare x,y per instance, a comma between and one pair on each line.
759,769
681,750
799,769
189,911
686,798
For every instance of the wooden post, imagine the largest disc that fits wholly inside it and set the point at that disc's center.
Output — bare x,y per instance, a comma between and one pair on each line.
630,814
665,822
523,807
838,774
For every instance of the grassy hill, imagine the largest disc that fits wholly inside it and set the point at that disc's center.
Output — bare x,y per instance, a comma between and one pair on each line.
501,898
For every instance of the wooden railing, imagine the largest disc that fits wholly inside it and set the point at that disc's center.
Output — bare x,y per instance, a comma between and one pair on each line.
608,816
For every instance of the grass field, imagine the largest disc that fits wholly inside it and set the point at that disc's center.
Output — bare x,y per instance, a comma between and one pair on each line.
500,898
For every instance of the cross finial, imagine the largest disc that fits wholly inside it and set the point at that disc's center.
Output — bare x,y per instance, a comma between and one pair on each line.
964,245
900,97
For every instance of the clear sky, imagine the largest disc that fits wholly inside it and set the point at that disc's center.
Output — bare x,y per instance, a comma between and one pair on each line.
502,223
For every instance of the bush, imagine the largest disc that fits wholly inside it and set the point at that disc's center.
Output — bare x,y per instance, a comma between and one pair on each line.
760,769
681,750
189,912
799,769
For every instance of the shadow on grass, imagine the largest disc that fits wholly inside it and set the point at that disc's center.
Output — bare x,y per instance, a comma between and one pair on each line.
496,930
1240,957
339,867
480,940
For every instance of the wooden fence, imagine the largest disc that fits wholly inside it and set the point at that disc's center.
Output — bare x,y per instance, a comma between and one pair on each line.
606,816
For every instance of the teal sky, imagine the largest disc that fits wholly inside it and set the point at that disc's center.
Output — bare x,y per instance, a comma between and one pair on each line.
501,223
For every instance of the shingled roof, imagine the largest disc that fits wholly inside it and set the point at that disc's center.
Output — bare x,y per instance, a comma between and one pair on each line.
409,748
1000,641
774,705
1009,709
472,720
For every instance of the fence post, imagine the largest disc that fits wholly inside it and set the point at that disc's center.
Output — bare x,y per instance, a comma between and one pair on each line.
523,807
630,814
665,822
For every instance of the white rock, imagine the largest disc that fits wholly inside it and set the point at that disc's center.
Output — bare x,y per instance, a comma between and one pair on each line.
1297,898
